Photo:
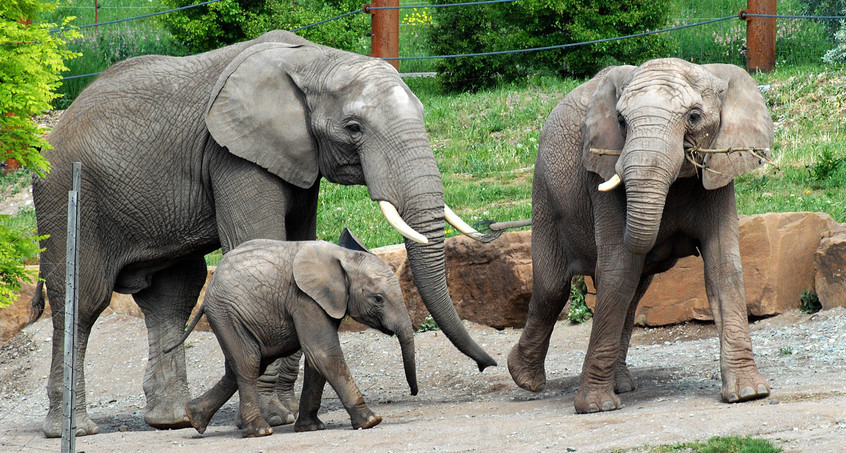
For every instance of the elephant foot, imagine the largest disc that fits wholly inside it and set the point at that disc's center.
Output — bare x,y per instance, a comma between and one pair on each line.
277,411
84,425
372,420
168,416
744,386
197,416
256,428
624,382
528,376
590,401
308,424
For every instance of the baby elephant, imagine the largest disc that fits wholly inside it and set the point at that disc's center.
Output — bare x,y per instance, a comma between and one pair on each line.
269,299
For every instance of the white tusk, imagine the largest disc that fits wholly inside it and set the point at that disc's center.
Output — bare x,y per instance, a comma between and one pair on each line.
459,224
393,218
611,183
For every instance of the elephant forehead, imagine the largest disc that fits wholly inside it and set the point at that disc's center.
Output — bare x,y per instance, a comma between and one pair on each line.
667,96
394,98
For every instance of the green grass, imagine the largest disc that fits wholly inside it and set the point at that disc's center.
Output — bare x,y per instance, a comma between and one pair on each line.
108,44
717,444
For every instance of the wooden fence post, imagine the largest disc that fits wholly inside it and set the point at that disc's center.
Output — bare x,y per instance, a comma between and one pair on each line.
384,31
760,35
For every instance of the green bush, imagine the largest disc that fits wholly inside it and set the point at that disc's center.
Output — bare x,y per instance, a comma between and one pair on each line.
838,53
541,23
825,8
230,21
579,311
31,61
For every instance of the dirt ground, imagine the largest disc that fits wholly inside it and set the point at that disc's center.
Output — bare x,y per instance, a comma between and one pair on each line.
458,408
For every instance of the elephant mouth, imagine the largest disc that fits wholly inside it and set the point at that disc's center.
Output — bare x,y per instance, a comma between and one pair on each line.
395,220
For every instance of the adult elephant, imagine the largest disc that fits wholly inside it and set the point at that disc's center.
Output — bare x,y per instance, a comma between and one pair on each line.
181,156
644,130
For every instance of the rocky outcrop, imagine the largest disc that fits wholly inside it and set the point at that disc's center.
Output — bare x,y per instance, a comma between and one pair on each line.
490,284
777,251
783,255
830,264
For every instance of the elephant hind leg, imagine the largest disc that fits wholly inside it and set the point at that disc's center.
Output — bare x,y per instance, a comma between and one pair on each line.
167,304
90,307
277,402
201,410
623,380
551,287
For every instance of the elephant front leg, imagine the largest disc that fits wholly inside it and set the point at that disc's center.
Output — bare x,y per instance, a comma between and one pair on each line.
326,357
166,305
277,401
741,380
549,295
623,380
616,284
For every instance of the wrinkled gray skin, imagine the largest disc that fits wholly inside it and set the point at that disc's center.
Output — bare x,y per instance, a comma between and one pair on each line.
181,156
661,212
267,299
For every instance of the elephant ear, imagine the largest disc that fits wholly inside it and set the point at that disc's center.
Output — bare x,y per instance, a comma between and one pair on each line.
319,274
348,240
259,113
601,130
744,123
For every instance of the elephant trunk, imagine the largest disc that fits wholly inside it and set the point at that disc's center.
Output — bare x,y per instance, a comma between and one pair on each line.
415,189
429,272
405,335
647,174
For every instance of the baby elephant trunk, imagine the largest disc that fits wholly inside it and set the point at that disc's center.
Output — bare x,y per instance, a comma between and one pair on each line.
406,339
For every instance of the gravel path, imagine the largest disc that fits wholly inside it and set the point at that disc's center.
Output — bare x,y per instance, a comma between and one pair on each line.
458,408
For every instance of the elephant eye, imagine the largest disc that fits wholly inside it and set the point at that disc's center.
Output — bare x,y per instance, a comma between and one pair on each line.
379,299
694,117
353,128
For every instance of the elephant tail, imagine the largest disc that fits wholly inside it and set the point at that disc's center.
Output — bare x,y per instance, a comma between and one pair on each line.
188,329
37,308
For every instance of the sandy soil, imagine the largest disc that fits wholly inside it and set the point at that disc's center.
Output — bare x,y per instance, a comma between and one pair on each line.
458,408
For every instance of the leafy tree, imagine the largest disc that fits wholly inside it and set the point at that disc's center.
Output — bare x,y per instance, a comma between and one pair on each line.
542,23
230,21
31,61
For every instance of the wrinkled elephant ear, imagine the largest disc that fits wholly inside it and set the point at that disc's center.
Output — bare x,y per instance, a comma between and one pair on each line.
744,123
601,130
259,113
318,273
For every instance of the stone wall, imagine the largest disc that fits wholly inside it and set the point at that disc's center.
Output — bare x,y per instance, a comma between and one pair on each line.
783,254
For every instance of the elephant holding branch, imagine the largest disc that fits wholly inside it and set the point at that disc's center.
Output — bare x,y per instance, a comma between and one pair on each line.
635,170
184,155
270,298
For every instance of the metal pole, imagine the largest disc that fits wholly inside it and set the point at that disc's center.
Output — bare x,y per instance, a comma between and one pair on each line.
760,35
71,287
384,28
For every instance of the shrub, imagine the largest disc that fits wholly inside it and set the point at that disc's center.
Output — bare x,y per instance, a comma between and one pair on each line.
579,311
541,23
825,8
230,21
31,61
838,53
810,302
